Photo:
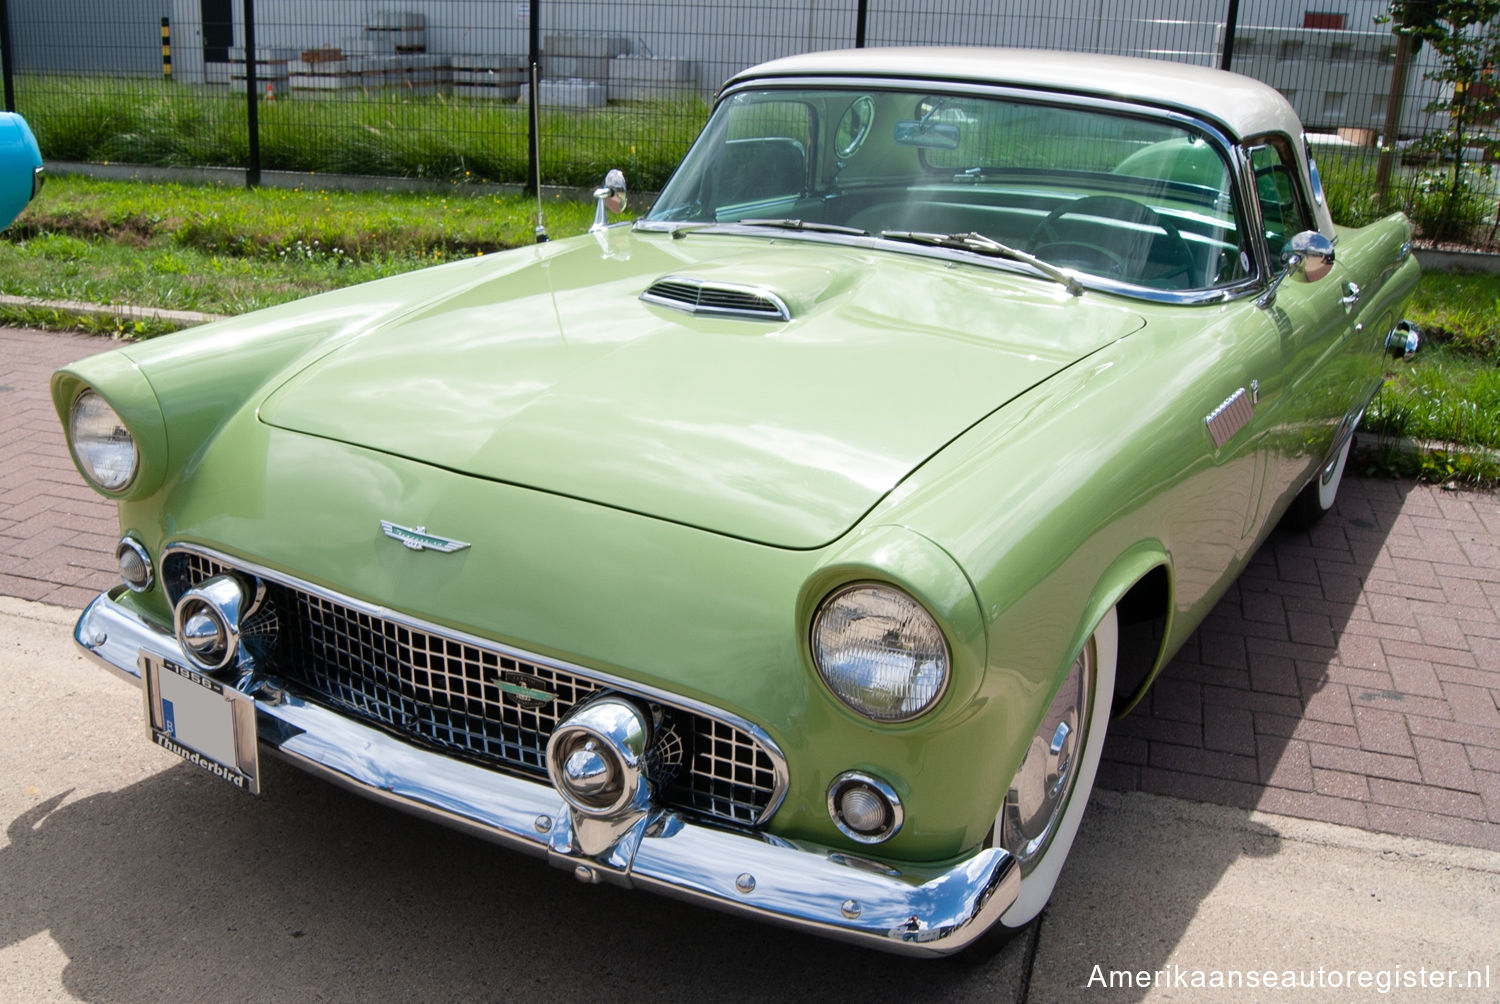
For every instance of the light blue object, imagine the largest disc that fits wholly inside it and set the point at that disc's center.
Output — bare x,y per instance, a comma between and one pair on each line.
20,166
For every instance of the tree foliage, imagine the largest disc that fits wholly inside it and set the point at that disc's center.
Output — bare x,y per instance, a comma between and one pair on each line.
1465,36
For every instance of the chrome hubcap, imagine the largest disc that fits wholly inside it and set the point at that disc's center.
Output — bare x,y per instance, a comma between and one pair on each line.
1045,779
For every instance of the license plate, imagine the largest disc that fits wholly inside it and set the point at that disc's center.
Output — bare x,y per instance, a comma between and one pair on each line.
202,721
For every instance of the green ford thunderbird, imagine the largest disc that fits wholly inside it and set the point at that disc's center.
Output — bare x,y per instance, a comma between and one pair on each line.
788,550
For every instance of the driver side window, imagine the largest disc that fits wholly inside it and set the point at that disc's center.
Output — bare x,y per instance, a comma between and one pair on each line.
1282,208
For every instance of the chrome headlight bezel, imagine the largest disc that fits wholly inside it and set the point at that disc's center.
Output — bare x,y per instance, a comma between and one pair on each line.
96,435
867,676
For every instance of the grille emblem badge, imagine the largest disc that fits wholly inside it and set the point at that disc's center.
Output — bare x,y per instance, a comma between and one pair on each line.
526,690
419,539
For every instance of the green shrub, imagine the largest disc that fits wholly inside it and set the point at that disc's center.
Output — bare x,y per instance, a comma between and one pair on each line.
1349,186
1450,206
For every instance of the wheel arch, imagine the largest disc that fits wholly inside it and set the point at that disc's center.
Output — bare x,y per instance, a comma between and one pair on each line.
1139,586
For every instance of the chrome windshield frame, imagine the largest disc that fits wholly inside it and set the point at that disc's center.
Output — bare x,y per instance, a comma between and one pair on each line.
1246,208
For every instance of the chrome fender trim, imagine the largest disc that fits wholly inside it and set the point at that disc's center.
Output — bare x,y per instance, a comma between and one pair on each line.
901,909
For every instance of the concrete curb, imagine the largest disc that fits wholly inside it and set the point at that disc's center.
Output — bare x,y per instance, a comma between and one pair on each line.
47,613
234,177
1457,261
123,311
1388,847
1370,447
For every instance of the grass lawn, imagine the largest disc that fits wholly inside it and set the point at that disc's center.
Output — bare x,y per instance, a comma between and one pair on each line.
224,250
1450,392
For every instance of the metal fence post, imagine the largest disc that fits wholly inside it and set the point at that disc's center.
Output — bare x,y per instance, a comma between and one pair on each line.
1231,24
5,71
862,17
252,107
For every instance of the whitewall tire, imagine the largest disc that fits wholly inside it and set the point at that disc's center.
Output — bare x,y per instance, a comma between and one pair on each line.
1046,801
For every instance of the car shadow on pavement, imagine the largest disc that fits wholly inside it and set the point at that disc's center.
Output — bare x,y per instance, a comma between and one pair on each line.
179,887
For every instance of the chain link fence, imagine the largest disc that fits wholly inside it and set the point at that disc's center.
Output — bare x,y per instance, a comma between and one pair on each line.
441,89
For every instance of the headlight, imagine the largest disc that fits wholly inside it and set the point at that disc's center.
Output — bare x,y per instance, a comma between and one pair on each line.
104,447
880,652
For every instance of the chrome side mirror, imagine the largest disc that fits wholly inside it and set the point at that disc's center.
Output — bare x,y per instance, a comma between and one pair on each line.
610,196
1309,255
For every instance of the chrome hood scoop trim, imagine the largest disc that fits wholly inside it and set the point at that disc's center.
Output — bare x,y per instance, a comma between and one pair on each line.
722,299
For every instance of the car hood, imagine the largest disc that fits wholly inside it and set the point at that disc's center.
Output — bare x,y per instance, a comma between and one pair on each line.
552,373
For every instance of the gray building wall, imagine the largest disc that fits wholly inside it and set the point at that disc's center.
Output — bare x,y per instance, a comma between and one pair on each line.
77,36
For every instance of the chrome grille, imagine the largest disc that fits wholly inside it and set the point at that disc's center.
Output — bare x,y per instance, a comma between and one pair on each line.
479,702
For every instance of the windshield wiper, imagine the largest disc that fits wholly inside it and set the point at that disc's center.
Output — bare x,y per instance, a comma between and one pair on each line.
822,228
980,244
680,230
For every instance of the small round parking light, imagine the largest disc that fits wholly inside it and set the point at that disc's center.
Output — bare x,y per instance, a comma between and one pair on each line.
135,565
864,808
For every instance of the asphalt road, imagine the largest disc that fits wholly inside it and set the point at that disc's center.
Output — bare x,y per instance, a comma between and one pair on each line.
127,875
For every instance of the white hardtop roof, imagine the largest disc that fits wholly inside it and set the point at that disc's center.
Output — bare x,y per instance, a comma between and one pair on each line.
1247,107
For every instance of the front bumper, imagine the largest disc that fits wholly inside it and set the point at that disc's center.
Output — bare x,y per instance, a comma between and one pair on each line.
911,911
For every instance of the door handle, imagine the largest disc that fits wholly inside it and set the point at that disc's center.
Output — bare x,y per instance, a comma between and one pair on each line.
1351,294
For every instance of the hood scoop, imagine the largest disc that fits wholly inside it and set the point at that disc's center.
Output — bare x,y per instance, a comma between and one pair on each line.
716,298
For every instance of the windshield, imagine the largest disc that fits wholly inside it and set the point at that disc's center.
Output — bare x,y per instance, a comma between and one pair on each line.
1130,198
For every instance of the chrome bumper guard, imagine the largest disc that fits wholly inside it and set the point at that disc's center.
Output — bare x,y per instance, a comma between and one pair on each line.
908,911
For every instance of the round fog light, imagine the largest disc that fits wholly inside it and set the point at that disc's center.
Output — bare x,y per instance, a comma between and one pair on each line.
591,775
597,757
207,619
864,808
135,565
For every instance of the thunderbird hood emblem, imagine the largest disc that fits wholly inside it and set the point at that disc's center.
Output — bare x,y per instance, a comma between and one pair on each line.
419,539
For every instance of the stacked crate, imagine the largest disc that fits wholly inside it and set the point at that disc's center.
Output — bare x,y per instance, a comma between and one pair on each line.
272,69
641,78
322,71
396,33
389,54
497,78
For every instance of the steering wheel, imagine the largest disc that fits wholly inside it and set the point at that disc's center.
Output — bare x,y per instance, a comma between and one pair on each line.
1084,255
1170,251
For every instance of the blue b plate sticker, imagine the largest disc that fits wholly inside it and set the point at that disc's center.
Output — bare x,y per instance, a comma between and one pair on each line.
205,722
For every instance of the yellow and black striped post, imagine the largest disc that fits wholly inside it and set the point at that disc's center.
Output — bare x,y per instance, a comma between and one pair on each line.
166,47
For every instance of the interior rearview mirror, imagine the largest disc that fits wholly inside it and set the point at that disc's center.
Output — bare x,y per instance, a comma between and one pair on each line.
928,135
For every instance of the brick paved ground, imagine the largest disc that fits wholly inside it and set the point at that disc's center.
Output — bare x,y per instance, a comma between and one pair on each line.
1351,674
57,538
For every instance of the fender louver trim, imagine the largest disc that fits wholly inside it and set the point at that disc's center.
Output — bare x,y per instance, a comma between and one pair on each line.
722,299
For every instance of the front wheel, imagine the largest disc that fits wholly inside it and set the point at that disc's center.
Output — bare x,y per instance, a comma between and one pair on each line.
1314,501
1041,812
